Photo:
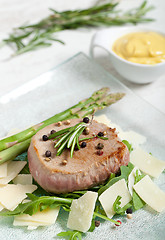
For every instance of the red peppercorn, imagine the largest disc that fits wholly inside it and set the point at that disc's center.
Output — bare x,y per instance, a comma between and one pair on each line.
99,152
118,222
97,223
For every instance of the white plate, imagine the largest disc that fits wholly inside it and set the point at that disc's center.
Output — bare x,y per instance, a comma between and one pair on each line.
55,91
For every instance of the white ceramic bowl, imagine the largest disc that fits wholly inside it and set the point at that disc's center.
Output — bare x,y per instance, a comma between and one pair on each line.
134,72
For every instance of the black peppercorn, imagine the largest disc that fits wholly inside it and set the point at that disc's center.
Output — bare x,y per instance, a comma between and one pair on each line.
48,153
100,134
86,120
129,211
53,131
86,131
83,144
44,137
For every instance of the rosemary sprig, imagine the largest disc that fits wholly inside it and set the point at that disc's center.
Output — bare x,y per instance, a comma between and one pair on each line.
31,37
88,138
69,137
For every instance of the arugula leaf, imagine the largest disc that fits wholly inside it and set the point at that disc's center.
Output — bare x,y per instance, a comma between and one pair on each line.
138,176
129,145
136,200
116,205
21,157
118,209
73,195
125,171
38,204
92,227
71,235
105,218
107,185
25,170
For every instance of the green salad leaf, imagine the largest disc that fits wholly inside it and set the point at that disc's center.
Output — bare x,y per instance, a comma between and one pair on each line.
125,171
118,209
38,204
21,157
136,200
129,145
71,235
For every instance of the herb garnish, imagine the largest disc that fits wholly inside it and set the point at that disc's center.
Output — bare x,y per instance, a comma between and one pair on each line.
118,209
69,137
31,37
73,235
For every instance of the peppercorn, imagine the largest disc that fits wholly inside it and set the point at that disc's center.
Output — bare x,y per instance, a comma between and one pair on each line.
86,131
48,153
129,215
59,123
100,134
53,131
67,122
100,146
129,211
99,152
64,162
47,159
86,120
97,223
44,137
83,144
118,222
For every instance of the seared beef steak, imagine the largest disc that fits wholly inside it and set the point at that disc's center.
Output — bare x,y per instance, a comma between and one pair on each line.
88,167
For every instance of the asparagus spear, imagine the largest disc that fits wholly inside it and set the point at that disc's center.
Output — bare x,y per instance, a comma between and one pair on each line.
12,152
69,113
99,100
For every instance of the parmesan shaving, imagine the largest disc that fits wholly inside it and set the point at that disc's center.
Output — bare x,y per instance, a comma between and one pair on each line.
150,193
147,163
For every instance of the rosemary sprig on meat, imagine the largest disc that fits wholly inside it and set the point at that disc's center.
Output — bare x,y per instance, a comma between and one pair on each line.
33,36
69,138
14,145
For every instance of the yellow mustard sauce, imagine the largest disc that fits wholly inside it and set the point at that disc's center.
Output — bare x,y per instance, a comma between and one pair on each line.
141,47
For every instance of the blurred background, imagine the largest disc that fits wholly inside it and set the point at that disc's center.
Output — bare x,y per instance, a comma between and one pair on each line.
14,71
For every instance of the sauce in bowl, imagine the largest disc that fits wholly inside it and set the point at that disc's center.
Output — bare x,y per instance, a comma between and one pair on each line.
141,47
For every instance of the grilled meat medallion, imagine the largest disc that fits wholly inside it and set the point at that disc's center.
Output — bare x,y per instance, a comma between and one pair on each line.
88,167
